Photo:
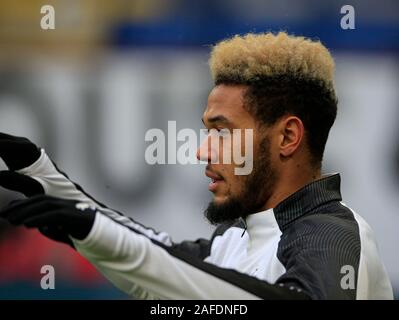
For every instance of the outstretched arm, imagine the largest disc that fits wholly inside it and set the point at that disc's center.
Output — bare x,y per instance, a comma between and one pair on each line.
134,259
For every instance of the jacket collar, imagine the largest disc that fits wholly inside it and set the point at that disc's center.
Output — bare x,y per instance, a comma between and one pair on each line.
308,198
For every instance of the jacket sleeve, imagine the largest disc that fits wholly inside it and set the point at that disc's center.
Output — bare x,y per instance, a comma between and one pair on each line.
129,256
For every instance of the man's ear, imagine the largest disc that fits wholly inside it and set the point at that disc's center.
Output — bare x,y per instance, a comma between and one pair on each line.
292,132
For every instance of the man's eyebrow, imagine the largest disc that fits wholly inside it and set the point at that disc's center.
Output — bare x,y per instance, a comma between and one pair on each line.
218,118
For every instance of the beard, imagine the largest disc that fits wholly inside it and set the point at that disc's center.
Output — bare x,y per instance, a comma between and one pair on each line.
257,188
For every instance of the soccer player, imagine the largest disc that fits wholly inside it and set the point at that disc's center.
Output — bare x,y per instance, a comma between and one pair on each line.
283,232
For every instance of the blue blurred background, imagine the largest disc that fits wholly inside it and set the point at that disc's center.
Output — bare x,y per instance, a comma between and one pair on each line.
90,89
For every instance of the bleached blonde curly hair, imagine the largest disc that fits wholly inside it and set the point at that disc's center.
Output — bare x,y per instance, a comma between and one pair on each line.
244,59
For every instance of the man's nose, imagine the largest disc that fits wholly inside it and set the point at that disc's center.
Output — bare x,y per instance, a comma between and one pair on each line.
204,152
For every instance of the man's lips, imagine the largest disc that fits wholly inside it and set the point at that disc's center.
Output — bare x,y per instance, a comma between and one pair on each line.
216,180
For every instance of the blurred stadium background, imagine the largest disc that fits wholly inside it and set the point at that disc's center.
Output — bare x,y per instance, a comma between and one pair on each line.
90,89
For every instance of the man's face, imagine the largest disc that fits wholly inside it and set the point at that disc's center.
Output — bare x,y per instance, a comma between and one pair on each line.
234,195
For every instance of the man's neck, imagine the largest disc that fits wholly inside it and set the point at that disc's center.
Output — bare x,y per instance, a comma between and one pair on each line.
290,182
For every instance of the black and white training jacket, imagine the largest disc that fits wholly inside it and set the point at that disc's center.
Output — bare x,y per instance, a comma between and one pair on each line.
310,246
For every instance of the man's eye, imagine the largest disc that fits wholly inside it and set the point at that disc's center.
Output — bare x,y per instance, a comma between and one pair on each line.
224,131
219,131
212,130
